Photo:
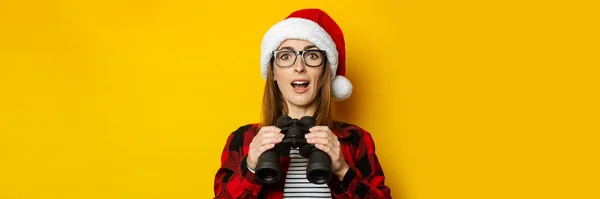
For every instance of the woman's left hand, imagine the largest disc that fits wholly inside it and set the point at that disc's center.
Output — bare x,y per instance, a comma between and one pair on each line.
327,142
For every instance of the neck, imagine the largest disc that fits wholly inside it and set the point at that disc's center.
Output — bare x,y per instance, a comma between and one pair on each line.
297,112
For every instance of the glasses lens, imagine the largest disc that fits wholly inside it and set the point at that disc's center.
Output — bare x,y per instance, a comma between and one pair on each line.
313,57
285,58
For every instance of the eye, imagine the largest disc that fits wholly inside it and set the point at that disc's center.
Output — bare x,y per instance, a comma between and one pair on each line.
313,55
284,55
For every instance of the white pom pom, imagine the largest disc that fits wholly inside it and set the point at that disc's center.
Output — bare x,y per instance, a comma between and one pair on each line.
341,88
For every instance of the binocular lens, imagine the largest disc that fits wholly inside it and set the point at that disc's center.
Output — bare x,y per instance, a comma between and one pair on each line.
318,170
267,169
268,176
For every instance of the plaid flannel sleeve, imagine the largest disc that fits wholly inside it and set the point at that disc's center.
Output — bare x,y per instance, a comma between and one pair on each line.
233,179
365,177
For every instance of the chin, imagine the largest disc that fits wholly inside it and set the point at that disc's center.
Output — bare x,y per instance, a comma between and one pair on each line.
300,100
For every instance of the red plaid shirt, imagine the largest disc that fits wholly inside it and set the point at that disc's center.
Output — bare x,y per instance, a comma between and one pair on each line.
364,179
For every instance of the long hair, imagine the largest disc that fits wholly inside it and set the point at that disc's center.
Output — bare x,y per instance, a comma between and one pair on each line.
274,105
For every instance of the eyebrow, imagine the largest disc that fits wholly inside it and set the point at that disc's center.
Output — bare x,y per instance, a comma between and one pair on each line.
309,47
305,48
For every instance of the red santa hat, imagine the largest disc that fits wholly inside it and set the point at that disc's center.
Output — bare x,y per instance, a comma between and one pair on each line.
317,27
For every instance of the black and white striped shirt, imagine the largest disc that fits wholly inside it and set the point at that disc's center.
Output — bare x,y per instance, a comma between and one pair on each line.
296,184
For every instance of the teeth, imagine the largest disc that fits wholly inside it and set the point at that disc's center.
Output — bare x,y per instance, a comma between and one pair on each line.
299,82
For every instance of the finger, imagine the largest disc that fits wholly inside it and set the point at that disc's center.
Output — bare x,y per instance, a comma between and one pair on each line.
257,141
272,135
326,149
264,148
317,134
266,134
319,128
322,141
333,152
270,141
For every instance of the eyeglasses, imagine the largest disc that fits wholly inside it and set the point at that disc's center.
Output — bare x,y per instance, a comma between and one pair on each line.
287,58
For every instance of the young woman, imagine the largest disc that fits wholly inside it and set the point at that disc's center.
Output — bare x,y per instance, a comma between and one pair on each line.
303,62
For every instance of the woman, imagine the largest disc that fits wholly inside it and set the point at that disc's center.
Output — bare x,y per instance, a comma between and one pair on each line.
303,62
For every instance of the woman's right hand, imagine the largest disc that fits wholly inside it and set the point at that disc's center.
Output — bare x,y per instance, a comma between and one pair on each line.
265,139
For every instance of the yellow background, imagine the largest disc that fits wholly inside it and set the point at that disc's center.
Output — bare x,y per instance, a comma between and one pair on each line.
134,99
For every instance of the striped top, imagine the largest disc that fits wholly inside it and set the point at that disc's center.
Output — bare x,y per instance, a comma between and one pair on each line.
296,184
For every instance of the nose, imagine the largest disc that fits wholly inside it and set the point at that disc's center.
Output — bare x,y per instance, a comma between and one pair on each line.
299,66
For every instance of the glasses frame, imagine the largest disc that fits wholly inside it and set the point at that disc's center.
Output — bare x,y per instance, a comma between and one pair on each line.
296,53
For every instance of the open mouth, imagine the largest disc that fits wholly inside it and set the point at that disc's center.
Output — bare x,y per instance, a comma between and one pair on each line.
300,85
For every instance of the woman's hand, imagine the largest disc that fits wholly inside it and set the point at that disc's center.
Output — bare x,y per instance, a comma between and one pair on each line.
327,142
265,139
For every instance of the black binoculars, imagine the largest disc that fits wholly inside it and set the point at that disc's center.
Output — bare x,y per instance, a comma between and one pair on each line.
318,170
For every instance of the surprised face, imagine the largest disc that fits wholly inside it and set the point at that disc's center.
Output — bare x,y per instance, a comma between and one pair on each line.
298,83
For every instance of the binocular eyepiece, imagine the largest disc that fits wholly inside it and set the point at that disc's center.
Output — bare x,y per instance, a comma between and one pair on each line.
318,170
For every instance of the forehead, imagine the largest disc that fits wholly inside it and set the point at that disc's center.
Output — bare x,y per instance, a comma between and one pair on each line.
296,44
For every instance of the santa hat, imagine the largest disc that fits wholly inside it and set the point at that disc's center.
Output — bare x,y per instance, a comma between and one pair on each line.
317,27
